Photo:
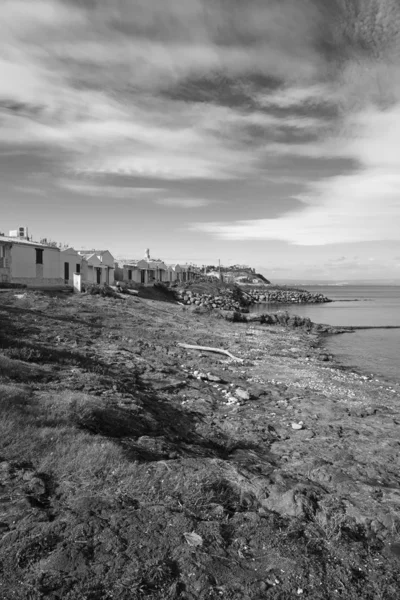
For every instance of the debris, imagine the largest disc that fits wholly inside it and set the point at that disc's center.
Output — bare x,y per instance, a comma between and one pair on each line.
210,349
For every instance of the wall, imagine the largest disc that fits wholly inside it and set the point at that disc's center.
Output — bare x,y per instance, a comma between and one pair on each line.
72,258
135,274
89,273
25,270
5,262
107,259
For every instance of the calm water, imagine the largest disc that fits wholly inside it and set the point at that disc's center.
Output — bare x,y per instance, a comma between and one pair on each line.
373,350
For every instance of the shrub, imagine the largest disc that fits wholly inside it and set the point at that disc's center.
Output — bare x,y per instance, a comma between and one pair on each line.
104,290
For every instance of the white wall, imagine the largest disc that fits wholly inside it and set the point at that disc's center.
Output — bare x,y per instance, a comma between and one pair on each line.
71,257
108,259
23,262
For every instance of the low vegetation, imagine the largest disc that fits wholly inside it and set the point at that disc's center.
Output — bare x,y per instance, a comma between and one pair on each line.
126,475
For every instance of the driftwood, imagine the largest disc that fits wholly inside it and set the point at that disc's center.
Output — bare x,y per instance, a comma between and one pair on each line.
210,349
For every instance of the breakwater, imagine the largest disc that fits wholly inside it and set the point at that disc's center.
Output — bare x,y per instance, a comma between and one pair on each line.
240,299
285,296
226,299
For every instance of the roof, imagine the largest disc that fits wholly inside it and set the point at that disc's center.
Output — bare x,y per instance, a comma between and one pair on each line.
154,264
15,240
146,264
92,251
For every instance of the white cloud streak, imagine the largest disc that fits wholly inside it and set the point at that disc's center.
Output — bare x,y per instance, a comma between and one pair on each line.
183,202
108,191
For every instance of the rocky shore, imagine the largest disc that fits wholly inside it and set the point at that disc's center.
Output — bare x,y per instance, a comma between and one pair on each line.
133,465
224,298
241,298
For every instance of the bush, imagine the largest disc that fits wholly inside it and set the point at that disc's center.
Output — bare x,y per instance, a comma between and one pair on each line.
104,290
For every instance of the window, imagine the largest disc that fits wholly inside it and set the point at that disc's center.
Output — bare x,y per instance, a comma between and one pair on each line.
39,256
78,268
2,251
129,274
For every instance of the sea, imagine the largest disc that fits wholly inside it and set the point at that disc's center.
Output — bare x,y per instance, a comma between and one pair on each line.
374,351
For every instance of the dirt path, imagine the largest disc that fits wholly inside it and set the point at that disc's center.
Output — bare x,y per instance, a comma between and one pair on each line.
133,468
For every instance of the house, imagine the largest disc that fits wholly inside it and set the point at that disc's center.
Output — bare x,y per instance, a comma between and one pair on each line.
174,273
24,261
146,271
97,266
70,263
188,272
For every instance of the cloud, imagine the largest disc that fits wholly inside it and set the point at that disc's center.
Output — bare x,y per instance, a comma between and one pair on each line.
109,191
293,89
30,190
91,93
338,210
183,202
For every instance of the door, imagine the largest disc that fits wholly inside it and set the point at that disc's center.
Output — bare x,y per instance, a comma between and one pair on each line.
98,275
66,272
142,276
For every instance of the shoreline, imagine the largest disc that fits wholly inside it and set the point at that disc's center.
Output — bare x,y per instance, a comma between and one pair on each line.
353,368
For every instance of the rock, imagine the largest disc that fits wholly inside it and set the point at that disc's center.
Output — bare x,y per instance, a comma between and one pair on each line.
297,425
212,377
193,539
295,502
242,394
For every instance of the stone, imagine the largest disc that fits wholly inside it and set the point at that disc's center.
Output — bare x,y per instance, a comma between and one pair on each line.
212,377
242,394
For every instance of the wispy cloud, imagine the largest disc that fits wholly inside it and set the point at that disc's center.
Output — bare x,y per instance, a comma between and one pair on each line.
107,191
183,202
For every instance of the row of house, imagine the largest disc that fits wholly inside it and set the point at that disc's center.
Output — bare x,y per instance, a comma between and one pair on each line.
43,264
148,271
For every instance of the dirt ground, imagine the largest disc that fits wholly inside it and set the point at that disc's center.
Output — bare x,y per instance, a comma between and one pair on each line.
131,467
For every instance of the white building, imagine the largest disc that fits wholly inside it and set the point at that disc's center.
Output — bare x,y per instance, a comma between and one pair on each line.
27,262
70,262
146,271
97,266
174,273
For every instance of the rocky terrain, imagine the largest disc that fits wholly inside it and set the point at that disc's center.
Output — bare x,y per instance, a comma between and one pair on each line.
133,467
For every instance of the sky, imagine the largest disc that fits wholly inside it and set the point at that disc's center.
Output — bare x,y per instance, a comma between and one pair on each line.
264,132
